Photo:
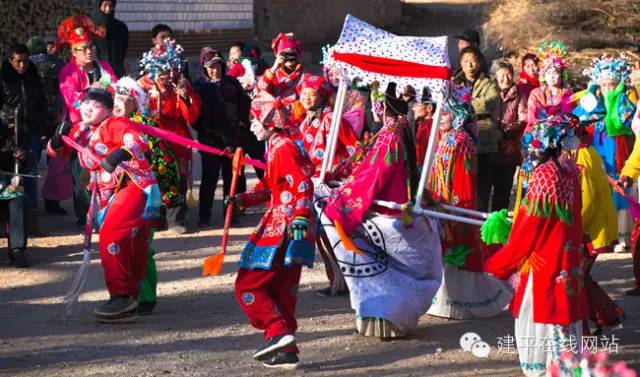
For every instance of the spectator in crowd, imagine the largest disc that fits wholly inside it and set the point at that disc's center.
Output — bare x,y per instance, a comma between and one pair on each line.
113,47
409,96
235,68
23,105
485,99
79,33
470,38
529,74
162,33
57,184
254,55
13,204
512,120
225,109
423,113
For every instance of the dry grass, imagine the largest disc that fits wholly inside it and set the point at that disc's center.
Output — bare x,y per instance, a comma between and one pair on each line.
518,24
587,27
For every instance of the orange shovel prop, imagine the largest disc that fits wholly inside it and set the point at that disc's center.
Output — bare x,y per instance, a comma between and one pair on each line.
213,264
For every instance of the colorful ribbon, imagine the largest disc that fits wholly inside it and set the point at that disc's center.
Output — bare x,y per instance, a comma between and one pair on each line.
184,141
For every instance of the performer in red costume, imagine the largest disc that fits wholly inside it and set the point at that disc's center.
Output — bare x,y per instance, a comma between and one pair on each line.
315,92
175,106
282,79
271,263
126,193
545,246
314,96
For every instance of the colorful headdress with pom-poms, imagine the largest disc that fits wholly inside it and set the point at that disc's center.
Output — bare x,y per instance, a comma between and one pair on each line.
162,59
608,67
128,87
458,103
553,55
318,83
556,132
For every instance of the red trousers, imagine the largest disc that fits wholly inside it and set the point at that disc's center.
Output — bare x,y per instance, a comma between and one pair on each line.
269,297
124,240
603,311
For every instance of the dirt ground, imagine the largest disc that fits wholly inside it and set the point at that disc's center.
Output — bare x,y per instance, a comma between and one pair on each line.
198,329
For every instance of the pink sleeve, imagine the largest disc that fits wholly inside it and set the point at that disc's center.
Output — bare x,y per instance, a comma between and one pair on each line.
71,91
533,107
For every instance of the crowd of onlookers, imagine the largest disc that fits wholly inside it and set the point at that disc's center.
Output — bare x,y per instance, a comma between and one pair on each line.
41,82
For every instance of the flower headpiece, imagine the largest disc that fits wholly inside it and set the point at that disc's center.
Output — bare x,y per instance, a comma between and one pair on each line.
286,41
318,83
608,67
128,87
553,55
458,103
551,133
162,59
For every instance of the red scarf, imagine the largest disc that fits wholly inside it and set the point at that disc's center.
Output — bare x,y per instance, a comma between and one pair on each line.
524,77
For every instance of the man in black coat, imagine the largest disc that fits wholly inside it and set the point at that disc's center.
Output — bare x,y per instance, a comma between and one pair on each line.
113,47
22,95
23,109
223,118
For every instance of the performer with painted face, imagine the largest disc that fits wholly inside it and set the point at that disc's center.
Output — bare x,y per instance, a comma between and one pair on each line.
466,291
175,106
552,97
79,33
283,242
315,93
545,246
391,261
609,105
124,191
131,102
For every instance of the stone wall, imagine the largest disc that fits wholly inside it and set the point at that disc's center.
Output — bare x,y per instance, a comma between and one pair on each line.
22,19
319,22
186,15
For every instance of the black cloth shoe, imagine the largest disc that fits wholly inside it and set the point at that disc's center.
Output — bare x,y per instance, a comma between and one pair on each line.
284,360
633,292
146,307
53,207
326,292
273,345
118,309
204,225
18,258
